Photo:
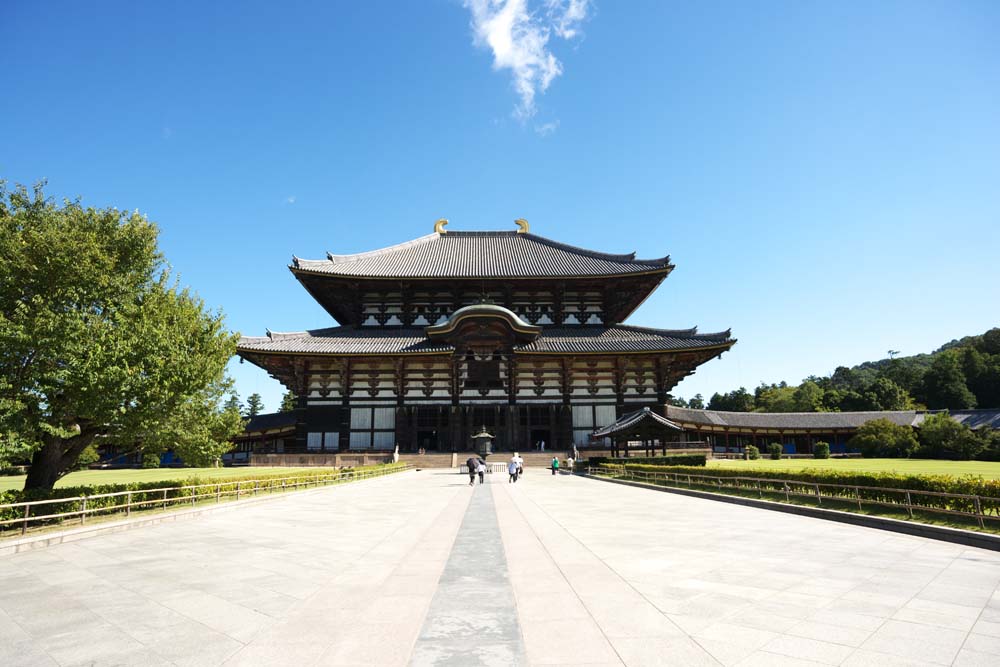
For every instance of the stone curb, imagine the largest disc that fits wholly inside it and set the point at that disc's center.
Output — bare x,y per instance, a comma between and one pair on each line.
956,535
23,544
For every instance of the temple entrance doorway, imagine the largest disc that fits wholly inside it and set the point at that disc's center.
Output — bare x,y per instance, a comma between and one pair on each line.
427,441
541,435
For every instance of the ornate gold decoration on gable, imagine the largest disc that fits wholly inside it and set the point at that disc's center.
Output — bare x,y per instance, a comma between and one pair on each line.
522,226
439,226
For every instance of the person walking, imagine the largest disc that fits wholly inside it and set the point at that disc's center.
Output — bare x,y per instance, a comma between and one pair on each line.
555,464
472,464
520,464
512,471
481,470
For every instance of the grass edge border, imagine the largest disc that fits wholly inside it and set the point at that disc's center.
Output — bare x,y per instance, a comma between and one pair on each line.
9,547
943,533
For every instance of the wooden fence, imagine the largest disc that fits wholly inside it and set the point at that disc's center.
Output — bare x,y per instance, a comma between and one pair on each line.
975,509
39,512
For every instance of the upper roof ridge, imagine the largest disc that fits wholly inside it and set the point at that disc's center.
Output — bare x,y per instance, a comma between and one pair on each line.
692,332
482,254
618,257
338,259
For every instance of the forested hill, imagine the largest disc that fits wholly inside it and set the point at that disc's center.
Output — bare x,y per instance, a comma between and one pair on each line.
959,375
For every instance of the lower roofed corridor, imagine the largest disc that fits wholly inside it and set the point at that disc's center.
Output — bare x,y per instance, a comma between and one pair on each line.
419,568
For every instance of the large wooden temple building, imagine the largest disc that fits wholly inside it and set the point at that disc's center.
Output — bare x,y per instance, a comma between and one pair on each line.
445,334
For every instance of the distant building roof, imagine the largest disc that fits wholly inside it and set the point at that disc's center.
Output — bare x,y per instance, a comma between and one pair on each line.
497,254
821,420
349,340
633,420
270,422
790,420
974,419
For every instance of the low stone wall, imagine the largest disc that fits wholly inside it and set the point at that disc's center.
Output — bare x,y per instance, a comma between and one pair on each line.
532,459
320,460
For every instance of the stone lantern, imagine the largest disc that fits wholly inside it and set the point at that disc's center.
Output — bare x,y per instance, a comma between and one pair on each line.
483,443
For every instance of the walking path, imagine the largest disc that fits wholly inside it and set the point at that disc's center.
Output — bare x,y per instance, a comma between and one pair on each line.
420,569
473,619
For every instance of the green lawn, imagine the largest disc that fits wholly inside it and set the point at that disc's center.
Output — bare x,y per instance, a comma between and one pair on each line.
988,469
88,477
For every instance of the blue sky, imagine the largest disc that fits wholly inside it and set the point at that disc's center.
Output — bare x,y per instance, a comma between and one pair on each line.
825,176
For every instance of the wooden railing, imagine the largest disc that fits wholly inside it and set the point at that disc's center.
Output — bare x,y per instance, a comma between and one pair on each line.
161,498
490,467
975,509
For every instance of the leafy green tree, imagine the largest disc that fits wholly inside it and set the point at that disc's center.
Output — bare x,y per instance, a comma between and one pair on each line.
775,398
255,405
808,397
676,401
986,387
847,379
738,400
99,342
990,341
943,437
288,402
884,394
944,384
233,403
881,438
698,402
990,438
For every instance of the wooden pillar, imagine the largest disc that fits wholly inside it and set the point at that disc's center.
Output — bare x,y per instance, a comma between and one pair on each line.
345,406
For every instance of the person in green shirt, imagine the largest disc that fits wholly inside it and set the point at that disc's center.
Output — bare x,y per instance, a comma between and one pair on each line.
555,464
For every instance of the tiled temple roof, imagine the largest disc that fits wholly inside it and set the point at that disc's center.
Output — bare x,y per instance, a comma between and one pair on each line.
480,255
790,420
823,420
269,422
633,419
412,340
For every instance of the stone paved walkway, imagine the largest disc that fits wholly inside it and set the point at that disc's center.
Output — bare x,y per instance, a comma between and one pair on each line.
552,570
473,618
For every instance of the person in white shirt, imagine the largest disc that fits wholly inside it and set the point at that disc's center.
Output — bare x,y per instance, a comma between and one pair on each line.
520,464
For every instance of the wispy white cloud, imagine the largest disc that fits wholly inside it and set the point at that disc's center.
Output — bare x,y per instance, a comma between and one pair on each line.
519,39
545,129
290,200
566,16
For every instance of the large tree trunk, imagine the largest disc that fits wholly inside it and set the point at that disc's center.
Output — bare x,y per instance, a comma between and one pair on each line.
55,458
44,470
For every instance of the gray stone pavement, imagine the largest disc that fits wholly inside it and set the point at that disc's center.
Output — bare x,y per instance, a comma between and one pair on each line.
579,571
473,619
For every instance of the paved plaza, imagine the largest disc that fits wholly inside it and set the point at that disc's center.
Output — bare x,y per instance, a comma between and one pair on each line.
420,569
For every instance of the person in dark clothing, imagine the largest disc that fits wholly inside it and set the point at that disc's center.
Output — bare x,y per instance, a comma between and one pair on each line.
481,469
472,464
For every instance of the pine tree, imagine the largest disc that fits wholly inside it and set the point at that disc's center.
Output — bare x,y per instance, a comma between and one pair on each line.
255,405
288,402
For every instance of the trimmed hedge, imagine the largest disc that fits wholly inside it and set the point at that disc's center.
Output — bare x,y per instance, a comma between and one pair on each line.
226,485
669,460
988,489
